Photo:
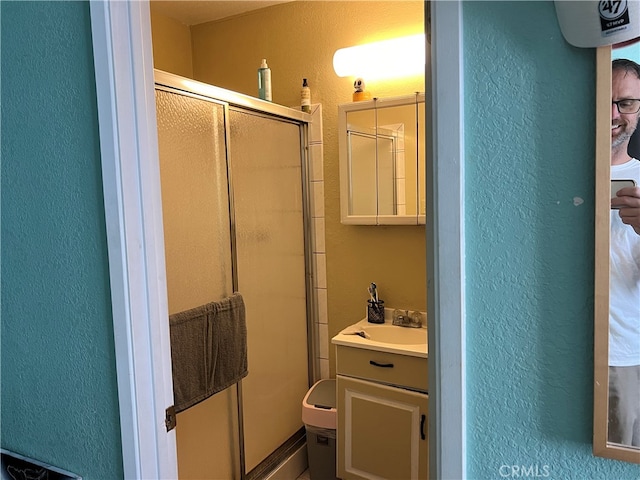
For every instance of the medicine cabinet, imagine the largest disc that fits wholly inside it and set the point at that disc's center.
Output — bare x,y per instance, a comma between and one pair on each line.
382,161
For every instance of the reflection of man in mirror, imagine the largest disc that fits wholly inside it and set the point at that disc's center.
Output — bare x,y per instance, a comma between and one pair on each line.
624,295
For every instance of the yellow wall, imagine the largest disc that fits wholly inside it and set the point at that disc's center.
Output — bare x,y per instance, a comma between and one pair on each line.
298,40
171,45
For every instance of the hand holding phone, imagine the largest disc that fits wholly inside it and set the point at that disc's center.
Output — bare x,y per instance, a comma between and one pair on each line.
617,185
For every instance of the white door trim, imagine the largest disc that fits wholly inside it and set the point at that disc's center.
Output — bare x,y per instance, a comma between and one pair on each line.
445,239
123,63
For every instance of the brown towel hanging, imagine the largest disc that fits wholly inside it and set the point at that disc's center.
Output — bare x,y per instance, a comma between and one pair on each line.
208,350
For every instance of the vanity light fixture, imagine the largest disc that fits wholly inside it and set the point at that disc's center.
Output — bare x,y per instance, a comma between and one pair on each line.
398,57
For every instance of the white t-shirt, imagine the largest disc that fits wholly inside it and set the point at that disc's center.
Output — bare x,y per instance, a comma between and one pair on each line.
624,275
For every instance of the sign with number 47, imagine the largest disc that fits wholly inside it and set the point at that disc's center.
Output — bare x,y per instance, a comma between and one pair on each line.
591,23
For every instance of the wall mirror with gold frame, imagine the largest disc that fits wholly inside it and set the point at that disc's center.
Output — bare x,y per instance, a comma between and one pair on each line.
382,161
606,442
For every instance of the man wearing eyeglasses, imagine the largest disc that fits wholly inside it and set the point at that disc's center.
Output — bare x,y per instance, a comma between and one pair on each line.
624,274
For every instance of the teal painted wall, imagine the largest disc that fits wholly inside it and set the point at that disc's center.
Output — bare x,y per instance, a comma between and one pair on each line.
59,395
529,134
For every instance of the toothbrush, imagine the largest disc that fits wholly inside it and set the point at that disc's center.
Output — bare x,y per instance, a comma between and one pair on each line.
373,292
370,290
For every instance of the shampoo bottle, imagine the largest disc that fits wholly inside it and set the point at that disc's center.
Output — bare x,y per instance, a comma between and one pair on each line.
305,97
264,81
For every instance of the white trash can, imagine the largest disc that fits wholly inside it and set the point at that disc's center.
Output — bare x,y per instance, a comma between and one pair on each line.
319,416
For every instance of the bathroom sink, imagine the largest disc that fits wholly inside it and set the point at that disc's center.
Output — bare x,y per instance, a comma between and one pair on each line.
384,337
389,333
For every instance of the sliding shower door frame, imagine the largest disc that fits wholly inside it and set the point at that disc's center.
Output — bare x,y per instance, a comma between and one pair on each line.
233,101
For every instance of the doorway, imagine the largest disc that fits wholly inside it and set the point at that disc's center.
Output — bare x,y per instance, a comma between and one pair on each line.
121,40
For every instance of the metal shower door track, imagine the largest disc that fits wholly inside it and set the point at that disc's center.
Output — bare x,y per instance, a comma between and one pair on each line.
235,99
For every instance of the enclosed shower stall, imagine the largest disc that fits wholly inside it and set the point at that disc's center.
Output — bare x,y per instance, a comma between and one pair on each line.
235,212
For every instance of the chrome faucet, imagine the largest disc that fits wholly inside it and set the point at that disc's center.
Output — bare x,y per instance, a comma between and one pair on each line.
403,318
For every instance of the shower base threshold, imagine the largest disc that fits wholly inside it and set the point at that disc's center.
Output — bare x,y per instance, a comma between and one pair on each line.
287,462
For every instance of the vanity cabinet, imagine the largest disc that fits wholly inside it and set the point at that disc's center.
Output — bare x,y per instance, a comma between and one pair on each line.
382,415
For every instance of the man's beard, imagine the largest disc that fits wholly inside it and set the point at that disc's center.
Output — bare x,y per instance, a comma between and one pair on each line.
622,138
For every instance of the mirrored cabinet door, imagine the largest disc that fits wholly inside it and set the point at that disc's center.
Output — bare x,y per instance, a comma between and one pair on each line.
382,148
361,163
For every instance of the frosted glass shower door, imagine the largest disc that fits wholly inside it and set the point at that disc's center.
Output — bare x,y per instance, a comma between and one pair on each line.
267,195
195,200
195,207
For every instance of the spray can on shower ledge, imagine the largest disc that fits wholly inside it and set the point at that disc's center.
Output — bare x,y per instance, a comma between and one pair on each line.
305,97
264,81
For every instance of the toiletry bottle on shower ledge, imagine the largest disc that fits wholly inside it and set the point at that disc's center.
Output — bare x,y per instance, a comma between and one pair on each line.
305,97
264,81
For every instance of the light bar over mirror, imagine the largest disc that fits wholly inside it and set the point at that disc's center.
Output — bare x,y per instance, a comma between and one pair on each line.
394,58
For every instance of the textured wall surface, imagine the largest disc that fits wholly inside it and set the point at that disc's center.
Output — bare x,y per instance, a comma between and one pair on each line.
58,397
529,100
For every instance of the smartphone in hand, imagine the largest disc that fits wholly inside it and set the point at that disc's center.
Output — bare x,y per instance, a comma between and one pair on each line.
619,184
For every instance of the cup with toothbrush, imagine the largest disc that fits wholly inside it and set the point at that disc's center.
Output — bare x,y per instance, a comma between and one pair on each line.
375,306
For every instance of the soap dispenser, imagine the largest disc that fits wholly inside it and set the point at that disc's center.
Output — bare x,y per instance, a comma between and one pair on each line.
264,81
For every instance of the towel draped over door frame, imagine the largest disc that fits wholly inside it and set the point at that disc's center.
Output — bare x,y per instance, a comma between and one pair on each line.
208,350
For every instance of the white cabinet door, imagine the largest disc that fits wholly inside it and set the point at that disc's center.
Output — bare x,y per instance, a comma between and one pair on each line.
382,431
